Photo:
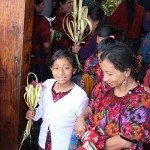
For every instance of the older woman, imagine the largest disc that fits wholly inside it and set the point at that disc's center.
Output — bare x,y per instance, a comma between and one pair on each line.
120,116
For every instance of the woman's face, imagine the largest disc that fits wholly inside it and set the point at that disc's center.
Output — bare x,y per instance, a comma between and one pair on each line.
67,6
112,76
39,8
94,23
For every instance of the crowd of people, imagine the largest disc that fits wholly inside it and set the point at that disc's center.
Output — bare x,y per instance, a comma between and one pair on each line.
107,104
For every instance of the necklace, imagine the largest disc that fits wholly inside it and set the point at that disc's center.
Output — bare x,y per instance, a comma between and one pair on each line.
131,87
127,91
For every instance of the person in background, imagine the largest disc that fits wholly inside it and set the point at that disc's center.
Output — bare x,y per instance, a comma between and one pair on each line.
61,8
144,57
61,103
144,51
129,17
84,51
118,115
40,42
95,16
92,72
146,25
47,8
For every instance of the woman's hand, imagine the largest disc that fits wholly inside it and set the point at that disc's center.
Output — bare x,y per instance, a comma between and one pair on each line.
82,84
76,48
80,127
30,115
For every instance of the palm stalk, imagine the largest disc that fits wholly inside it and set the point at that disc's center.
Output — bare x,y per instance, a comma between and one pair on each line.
77,26
33,92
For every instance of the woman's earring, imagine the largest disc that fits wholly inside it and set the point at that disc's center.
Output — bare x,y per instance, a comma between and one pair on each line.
125,80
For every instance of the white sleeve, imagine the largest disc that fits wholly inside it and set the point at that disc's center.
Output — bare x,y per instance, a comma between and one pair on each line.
82,104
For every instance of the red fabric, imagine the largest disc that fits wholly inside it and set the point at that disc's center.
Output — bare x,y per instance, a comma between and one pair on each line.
147,78
41,34
120,20
58,26
58,96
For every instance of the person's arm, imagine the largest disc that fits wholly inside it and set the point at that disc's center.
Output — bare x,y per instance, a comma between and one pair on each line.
46,47
117,143
80,126
44,35
85,51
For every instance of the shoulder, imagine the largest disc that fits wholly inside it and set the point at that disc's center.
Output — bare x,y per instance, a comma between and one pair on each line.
121,6
140,8
48,83
141,96
60,14
79,90
42,19
79,93
140,90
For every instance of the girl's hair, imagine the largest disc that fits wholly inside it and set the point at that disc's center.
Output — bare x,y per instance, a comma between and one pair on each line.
57,6
130,4
96,14
108,30
106,43
64,54
37,2
122,58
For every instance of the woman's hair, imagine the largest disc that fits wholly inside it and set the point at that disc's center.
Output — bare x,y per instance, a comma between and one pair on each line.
106,31
37,2
130,4
96,14
57,6
106,43
64,54
122,58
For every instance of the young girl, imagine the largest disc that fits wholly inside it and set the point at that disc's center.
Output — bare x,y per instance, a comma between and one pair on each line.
62,102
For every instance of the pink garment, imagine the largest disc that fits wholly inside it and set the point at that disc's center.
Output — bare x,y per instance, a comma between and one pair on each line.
147,78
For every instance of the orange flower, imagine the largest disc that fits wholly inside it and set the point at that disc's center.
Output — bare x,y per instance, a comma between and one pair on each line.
97,119
112,130
146,101
138,133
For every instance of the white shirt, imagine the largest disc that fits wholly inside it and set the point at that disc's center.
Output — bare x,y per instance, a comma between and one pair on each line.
60,116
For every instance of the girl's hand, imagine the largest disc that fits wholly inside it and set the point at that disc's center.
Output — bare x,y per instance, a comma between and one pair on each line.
30,115
82,84
80,127
76,48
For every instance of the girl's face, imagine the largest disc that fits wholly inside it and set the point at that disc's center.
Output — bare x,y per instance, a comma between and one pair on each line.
39,8
94,23
62,70
67,6
112,76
